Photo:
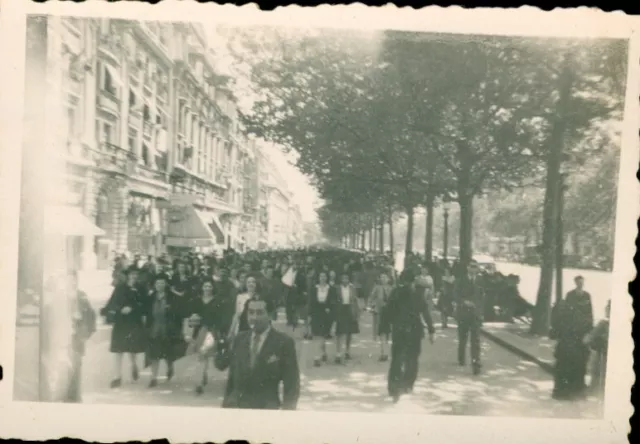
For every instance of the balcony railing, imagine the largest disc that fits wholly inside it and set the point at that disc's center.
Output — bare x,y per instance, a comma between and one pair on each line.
135,118
152,173
147,130
116,159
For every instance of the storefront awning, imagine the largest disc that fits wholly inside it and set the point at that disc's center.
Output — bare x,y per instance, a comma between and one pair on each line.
68,221
214,225
186,227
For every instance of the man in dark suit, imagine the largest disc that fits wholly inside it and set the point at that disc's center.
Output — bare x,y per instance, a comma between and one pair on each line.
408,314
469,295
269,288
259,360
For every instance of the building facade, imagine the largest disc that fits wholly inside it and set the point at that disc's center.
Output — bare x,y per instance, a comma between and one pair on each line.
150,148
279,220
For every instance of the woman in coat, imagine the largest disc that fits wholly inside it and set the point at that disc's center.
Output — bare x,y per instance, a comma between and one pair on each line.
240,321
445,300
164,314
84,325
205,320
322,307
378,299
181,283
347,315
125,311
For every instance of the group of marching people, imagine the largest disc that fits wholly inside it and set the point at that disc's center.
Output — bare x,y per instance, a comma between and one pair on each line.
166,309
152,299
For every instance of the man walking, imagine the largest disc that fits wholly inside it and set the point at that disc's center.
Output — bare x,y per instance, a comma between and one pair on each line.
407,313
469,296
572,320
260,359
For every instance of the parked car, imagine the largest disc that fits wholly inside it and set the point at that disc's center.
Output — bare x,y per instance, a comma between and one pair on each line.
486,262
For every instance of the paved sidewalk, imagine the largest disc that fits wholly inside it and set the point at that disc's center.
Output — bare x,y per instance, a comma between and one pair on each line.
516,338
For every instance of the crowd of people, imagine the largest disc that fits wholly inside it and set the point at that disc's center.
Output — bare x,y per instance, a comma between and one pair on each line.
222,310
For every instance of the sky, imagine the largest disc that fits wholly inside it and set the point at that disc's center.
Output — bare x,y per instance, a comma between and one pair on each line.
304,194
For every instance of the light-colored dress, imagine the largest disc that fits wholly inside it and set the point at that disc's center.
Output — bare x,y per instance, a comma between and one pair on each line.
379,298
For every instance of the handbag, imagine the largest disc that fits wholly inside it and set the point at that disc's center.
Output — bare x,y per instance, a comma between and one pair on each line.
109,316
222,355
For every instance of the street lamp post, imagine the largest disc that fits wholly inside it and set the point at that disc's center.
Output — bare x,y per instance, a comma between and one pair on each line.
445,247
560,236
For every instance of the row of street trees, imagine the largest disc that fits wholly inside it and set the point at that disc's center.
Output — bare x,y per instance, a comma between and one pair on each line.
387,122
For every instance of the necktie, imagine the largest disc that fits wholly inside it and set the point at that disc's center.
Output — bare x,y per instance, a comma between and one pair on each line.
255,343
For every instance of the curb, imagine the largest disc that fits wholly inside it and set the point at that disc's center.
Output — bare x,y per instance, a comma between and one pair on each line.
545,365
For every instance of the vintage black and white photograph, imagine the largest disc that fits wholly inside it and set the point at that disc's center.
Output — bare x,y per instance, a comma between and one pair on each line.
238,216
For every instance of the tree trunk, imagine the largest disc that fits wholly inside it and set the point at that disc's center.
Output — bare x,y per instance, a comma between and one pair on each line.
371,242
381,235
542,310
374,235
559,241
392,248
428,235
465,201
408,248
363,240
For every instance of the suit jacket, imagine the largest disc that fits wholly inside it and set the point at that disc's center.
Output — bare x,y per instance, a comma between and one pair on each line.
257,387
405,311
470,292
85,326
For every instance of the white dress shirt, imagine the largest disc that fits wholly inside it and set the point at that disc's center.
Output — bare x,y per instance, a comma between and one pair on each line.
346,294
261,340
241,301
323,292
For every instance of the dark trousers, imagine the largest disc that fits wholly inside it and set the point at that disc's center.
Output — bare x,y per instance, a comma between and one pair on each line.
291,306
570,370
468,326
73,393
403,371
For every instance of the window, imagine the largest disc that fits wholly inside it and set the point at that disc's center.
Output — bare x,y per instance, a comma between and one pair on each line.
109,83
145,154
105,132
132,99
133,141
146,113
71,122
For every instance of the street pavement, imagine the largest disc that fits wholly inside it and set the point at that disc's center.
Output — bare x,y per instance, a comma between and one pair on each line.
508,385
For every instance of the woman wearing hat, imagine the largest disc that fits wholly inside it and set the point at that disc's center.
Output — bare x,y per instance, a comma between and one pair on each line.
164,314
125,311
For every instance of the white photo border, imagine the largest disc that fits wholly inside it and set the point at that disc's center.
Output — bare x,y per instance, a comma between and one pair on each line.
36,421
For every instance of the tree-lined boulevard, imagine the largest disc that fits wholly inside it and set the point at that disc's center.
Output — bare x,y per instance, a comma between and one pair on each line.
389,122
